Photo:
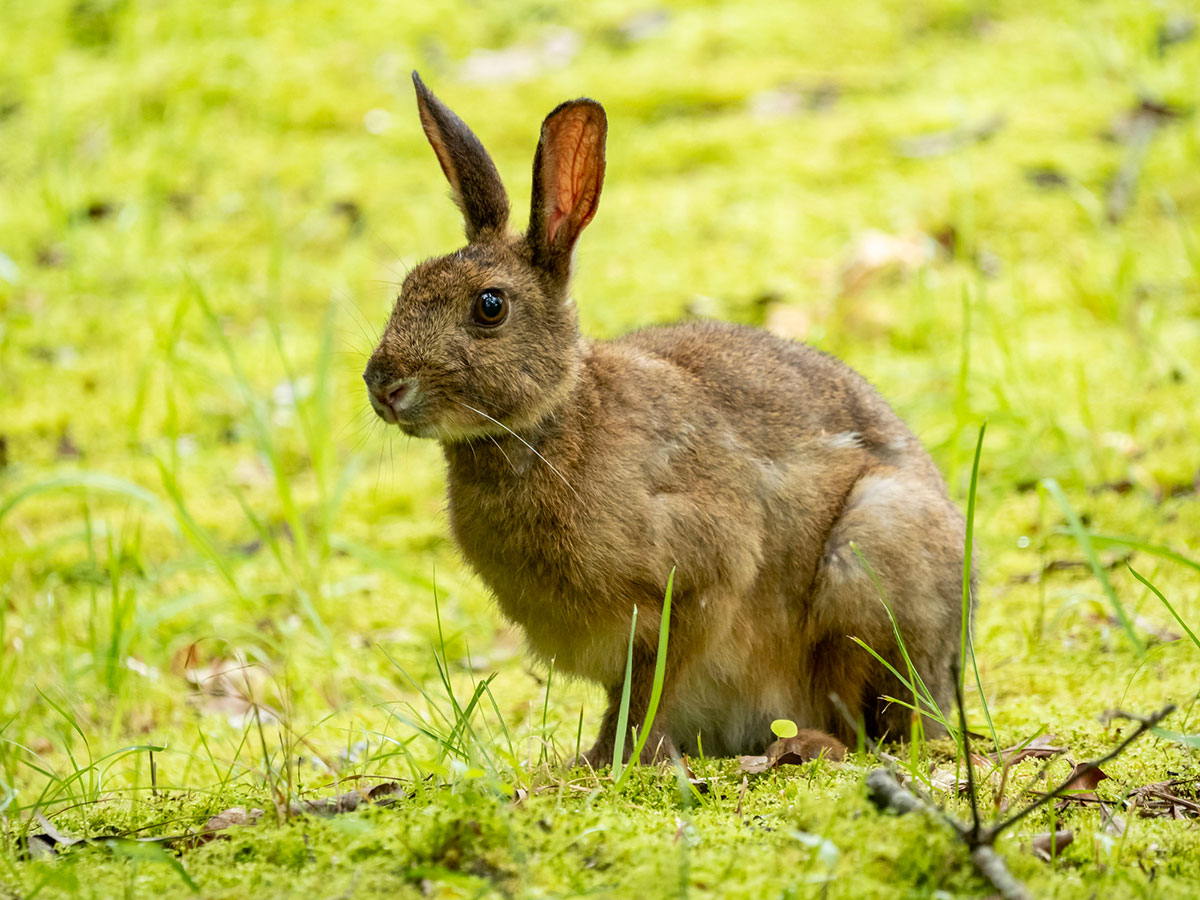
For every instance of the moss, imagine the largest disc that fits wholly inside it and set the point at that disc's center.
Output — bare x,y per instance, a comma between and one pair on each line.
201,238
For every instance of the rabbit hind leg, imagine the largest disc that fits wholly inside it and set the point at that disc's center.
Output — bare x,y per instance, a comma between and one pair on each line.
892,563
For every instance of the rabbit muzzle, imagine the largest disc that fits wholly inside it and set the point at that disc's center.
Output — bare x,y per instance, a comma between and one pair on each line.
392,400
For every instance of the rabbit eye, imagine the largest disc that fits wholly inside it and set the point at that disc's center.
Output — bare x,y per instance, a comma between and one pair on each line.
490,308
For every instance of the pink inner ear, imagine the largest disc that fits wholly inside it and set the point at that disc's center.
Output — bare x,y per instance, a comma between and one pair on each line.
434,137
557,215
571,164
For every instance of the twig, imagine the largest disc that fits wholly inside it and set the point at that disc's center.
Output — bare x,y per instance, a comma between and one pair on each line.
886,791
1145,723
991,866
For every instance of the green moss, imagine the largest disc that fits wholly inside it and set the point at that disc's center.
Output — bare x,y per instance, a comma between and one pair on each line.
200,239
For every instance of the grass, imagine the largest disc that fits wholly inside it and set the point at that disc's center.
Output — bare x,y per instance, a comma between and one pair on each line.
213,557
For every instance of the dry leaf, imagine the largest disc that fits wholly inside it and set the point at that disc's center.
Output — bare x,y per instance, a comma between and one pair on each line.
50,841
1162,635
806,745
1085,776
381,795
1041,747
944,780
1081,784
236,816
1046,845
386,793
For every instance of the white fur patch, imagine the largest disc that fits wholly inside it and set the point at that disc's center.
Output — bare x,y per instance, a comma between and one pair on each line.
882,491
844,440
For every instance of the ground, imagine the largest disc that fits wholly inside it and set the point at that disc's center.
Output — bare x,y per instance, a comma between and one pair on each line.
991,210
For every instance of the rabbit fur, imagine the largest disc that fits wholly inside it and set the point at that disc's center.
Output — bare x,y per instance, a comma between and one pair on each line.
581,472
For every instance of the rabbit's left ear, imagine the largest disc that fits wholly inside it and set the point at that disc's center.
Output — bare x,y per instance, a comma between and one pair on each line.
473,178
568,172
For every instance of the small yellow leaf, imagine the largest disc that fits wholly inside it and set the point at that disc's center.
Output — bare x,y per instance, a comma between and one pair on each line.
784,728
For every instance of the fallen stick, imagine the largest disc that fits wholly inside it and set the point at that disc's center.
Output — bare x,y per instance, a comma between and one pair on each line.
887,792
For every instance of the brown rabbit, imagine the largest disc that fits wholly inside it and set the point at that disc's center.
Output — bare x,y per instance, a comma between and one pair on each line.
581,472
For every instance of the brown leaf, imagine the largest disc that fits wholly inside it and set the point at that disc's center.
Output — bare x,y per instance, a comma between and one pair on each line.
944,780
1162,635
1041,747
1153,631
236,816
1085,776
387,792
806,745
328,806
1046,845
1081,784
381,795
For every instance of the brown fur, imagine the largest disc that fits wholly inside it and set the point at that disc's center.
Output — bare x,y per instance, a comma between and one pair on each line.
581,472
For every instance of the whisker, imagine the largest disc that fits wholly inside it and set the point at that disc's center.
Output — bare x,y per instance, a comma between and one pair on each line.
532,449
502,453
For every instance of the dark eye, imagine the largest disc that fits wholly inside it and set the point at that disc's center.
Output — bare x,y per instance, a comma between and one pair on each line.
491,308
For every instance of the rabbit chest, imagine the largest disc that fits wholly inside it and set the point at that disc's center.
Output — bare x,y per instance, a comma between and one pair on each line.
574,528
564,567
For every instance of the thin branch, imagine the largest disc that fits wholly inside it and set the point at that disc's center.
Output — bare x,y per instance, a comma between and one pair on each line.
1145,723
887,792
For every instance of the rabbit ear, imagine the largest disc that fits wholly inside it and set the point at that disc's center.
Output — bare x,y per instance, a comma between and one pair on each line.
568,172
472,174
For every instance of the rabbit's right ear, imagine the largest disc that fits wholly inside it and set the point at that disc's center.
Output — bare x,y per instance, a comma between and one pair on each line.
473,178
568,172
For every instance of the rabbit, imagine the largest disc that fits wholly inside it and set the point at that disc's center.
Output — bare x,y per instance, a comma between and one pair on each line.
787,496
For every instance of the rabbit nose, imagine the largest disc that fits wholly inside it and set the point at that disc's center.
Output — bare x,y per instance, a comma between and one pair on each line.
391,398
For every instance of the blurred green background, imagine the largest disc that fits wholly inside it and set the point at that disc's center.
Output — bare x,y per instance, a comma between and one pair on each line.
989,209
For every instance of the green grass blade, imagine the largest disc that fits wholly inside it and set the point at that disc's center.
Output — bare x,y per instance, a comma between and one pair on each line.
968,639
660,672
1167,603
623,714
914,681
91,481
1083,538
1145,547
969,546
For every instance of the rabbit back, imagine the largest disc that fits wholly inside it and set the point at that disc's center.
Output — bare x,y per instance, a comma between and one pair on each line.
753,466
